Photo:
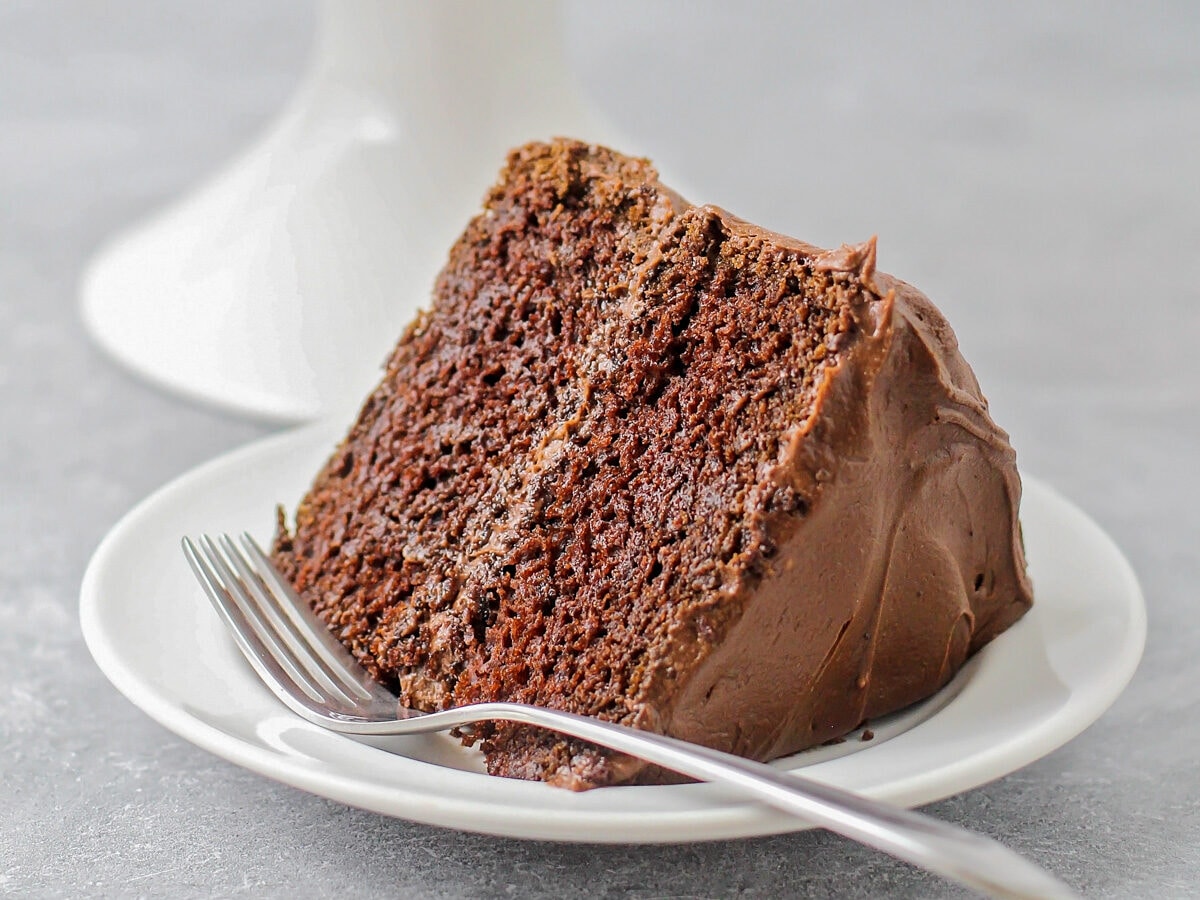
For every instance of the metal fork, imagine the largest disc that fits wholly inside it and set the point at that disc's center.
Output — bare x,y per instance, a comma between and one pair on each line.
306,667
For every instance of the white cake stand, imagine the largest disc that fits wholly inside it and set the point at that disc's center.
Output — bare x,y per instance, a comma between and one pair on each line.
277,288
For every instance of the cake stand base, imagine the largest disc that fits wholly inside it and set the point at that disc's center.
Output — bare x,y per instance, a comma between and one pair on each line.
277,288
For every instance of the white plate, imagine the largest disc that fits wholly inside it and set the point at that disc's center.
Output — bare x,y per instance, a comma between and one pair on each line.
154,635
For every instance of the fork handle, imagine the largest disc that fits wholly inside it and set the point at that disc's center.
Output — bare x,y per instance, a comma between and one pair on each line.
955,853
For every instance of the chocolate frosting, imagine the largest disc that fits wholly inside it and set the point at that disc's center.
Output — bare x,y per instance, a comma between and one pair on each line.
910,558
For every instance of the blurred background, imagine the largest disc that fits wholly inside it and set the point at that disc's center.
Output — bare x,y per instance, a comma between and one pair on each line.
1032,167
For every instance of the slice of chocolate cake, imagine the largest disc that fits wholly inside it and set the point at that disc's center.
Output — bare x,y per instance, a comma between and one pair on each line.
644,461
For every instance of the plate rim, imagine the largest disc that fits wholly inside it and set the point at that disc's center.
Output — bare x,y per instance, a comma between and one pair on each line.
726,821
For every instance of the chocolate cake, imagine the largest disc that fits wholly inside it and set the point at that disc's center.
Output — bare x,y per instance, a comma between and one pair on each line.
645,461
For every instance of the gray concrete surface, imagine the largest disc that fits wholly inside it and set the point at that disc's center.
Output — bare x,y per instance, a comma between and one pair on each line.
1033,167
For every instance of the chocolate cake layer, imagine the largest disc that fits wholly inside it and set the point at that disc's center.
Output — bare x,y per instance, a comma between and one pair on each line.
645,461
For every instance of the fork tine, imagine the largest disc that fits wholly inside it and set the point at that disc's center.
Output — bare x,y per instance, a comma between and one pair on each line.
267,603
238,599
269,666
309,628
244,601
